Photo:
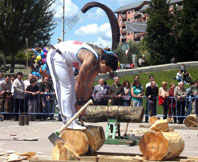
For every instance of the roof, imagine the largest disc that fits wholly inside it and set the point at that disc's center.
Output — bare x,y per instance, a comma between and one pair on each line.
136,26
138,4
144,7
130,6
175,1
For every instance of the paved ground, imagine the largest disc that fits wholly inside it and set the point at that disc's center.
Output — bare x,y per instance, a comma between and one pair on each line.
42,129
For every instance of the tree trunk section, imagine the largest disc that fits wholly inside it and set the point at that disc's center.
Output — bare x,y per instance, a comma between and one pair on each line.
152,120
77,139
161,145
191,120
160,125
64,151
121,113
96,137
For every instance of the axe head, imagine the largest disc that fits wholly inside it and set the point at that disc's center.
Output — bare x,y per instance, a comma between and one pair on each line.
54,139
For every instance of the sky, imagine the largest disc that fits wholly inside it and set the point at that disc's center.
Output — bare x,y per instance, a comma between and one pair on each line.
90,27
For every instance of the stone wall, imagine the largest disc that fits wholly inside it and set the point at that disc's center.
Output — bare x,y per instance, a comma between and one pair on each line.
146,69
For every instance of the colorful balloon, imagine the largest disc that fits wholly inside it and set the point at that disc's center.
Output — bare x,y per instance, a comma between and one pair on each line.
38,57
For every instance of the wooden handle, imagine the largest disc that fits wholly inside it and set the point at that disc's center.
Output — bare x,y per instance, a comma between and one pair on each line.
75,116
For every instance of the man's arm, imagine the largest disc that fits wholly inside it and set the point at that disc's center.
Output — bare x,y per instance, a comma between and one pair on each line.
85,80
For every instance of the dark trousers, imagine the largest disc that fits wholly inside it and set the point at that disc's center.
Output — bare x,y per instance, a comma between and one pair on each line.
20,107
180,111
150,109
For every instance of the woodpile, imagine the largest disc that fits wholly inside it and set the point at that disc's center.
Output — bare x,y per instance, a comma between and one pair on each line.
79,142
159,143
121,113
191,120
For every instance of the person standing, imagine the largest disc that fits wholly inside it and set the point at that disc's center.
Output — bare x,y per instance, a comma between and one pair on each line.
19,96
116,92
99,93
163,98
137,94
180,95
151,94
171,102
60,61
127,93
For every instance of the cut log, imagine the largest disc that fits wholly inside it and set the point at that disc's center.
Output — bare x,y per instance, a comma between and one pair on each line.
191,120
160,125
161,145
64,151
96,137
152,120
122,113
77,139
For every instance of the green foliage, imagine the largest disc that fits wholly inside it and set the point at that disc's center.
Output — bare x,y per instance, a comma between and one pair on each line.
158,37
21,20
188,26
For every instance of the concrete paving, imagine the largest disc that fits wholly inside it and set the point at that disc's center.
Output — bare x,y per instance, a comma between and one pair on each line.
42,129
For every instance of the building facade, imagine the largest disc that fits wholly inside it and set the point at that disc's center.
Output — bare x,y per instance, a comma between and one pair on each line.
132,19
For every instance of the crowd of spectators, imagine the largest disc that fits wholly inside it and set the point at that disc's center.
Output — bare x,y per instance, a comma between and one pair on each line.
37,96
33,96
174,100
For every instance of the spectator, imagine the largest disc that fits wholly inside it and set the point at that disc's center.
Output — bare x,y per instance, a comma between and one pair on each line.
187,78
163,98
127,93
140,61
33,97
5,96
99,93
143,60
151,94
183,68
136,77
173,60
27,81
19,90
180,95
190,98
193,92
137,94
47,103
179,76
47,83
151,78
116,92
172,102
13,77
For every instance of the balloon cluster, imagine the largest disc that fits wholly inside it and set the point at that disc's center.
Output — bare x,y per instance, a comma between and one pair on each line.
40,67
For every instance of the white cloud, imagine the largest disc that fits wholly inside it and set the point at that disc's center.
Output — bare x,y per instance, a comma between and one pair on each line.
103,31
103,43
89,30
125,2
70,9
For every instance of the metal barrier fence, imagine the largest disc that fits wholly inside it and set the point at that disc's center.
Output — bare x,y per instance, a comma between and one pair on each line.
44,106
37,106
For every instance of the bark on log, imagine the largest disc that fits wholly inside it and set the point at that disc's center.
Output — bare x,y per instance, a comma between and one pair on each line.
191,120
85,141
122,113
77,139
96,137
160,125
152,120
64,151
161,145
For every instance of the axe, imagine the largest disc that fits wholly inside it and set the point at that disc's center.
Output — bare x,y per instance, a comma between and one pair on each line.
54,137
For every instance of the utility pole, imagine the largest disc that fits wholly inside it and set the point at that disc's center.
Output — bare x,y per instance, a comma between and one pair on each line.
63,20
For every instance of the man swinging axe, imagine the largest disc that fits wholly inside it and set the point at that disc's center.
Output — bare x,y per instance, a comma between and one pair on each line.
71,96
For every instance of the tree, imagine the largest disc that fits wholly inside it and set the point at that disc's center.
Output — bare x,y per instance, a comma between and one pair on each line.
188,31
158,36
22,20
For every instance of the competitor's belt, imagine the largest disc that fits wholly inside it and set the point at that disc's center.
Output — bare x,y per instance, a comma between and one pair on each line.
57,50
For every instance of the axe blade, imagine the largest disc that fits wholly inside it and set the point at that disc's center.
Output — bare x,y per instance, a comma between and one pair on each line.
54,139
